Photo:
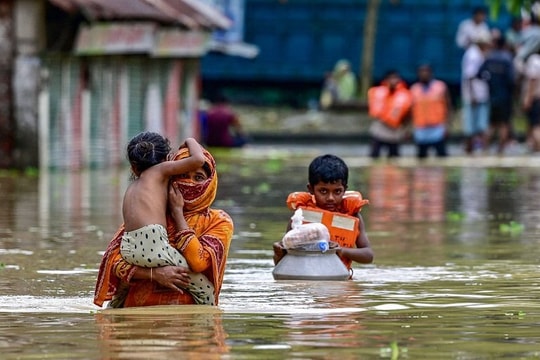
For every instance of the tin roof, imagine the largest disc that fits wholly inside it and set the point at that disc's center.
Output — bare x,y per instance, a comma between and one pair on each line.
192,14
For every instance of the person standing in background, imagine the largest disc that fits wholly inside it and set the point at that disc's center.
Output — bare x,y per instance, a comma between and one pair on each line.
345,81
530,38
531,101
475,93
468,28
513,34
223,128
339,85
389,106
431,106
498,71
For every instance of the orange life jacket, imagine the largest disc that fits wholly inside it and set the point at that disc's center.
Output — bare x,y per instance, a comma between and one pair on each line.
342,225
389,107
429,107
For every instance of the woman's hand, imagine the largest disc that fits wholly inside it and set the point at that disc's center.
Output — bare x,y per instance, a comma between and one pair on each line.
172,277
176,206
176,200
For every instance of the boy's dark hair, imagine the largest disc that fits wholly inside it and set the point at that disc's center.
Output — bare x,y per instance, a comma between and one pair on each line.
479,10
500,42
328,169
147,149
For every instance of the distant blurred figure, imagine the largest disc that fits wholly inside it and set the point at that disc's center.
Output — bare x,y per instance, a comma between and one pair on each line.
468,28
531,101
513,34
203,107
389,105
431,106
475,93
498,71
223,128
339,85
530,38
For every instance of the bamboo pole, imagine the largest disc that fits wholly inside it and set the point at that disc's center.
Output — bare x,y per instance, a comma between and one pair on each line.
368,48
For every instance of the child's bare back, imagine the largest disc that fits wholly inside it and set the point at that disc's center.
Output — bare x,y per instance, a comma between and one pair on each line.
145,200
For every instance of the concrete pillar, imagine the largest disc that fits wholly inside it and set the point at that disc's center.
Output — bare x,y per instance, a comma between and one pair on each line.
7,125
29,39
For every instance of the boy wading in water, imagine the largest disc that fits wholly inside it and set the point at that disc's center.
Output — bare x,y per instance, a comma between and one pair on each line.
145,242
329,203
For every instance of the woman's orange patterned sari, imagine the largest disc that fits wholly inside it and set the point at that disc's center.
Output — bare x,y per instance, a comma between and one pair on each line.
205,246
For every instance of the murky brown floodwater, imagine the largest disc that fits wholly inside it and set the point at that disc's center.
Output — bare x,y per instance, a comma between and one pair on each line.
455,277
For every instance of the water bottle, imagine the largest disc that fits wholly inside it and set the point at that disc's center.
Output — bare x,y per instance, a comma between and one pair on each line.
320,245
297,219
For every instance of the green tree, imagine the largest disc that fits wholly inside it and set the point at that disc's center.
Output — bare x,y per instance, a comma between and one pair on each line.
513,6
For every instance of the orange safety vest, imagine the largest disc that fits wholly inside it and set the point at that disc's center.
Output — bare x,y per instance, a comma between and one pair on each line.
342,226
389,107
429,107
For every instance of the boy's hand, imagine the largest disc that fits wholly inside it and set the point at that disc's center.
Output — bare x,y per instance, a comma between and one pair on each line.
279,252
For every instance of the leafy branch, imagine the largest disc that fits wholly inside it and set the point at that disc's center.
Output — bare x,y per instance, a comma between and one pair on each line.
514,7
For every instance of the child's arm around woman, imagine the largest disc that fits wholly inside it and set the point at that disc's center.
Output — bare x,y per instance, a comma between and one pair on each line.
195,160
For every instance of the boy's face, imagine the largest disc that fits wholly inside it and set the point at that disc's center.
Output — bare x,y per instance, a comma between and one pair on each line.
424,74
328,196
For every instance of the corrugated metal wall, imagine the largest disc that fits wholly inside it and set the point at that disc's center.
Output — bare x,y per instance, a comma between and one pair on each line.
98,103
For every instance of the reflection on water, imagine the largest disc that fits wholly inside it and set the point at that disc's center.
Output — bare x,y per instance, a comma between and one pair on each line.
162,332
455,276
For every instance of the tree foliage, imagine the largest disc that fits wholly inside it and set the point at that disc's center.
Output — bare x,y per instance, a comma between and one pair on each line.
513,6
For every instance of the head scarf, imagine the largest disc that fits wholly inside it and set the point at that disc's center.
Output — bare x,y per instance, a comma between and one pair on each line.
197,197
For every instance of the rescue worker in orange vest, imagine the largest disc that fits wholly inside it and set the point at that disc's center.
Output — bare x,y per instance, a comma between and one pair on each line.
389,105
430,113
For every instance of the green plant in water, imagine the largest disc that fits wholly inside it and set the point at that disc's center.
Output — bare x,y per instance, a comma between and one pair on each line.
393,351
520,314
512,228
245,171
454,216
262,188
2,265
273,165
31,171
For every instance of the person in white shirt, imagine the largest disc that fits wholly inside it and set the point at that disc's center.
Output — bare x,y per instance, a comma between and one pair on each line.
468,28
531,101
475,92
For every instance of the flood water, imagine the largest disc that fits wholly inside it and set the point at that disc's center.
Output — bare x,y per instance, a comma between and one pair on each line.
456,271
